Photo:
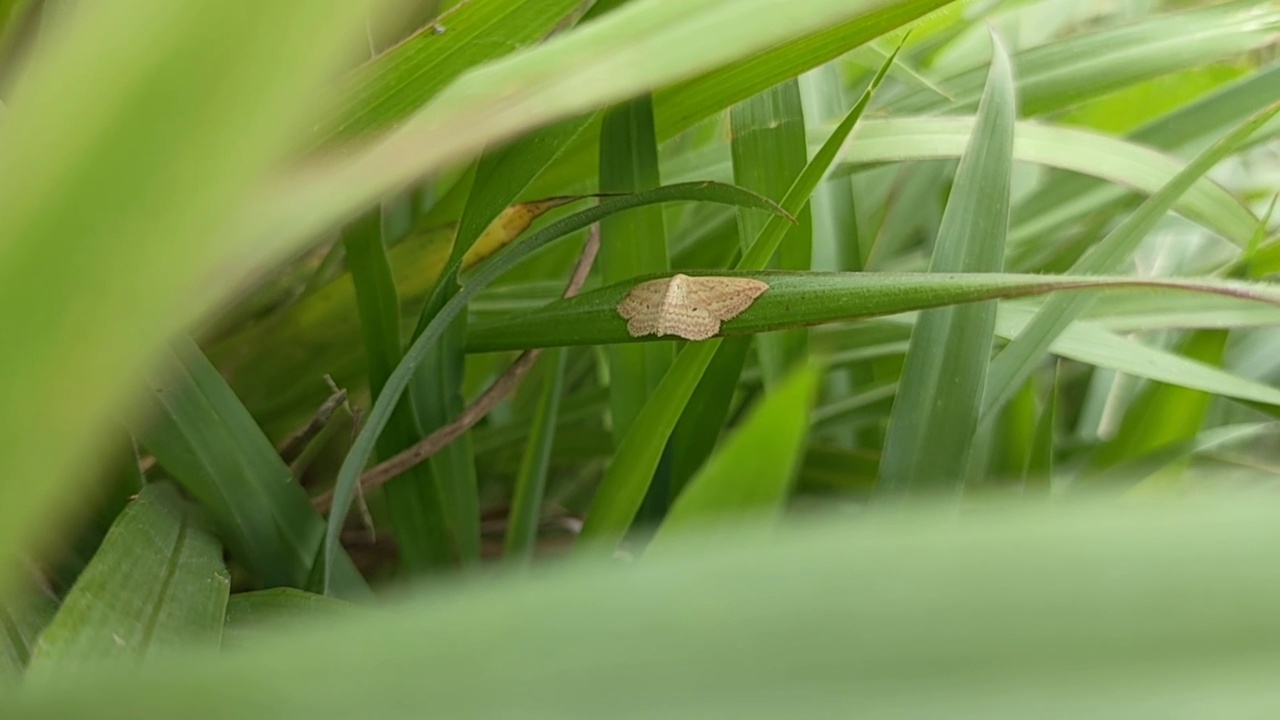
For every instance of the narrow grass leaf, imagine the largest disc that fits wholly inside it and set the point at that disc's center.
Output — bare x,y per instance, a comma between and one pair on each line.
207,442
769,152
625,482
751,476
531,479
348,474
157,582
632,244
1016,361
935,413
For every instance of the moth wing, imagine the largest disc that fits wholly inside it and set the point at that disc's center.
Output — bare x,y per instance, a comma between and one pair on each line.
644,299
725,297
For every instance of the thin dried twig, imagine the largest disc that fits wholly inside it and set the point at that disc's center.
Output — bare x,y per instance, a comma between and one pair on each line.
508,381
291,449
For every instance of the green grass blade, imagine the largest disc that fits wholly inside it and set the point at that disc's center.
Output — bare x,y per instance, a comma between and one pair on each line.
157,582
632,244
769,151
935,414
398,81
1016,361
753,473
206,440
86,150
348,475
1184,622
531,480
627,478
696,432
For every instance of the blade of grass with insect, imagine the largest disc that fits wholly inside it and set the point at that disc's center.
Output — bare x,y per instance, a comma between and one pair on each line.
349,473
768,149
417,509
935,414
753,473
1016,361
157,582
531,479
86,149
206,440
1059,75
627,478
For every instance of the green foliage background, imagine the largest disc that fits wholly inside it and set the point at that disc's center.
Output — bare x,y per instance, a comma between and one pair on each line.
999,439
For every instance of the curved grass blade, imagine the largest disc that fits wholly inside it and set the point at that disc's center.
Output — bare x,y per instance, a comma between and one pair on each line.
1016,361
531,479
349,474
157,582
752,474
935,414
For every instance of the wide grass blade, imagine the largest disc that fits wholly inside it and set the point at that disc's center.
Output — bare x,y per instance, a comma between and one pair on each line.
402,79
935,414
348,475
1016,361
157,583
251,615
133,174
206,441
625,53
1184,621
751,476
